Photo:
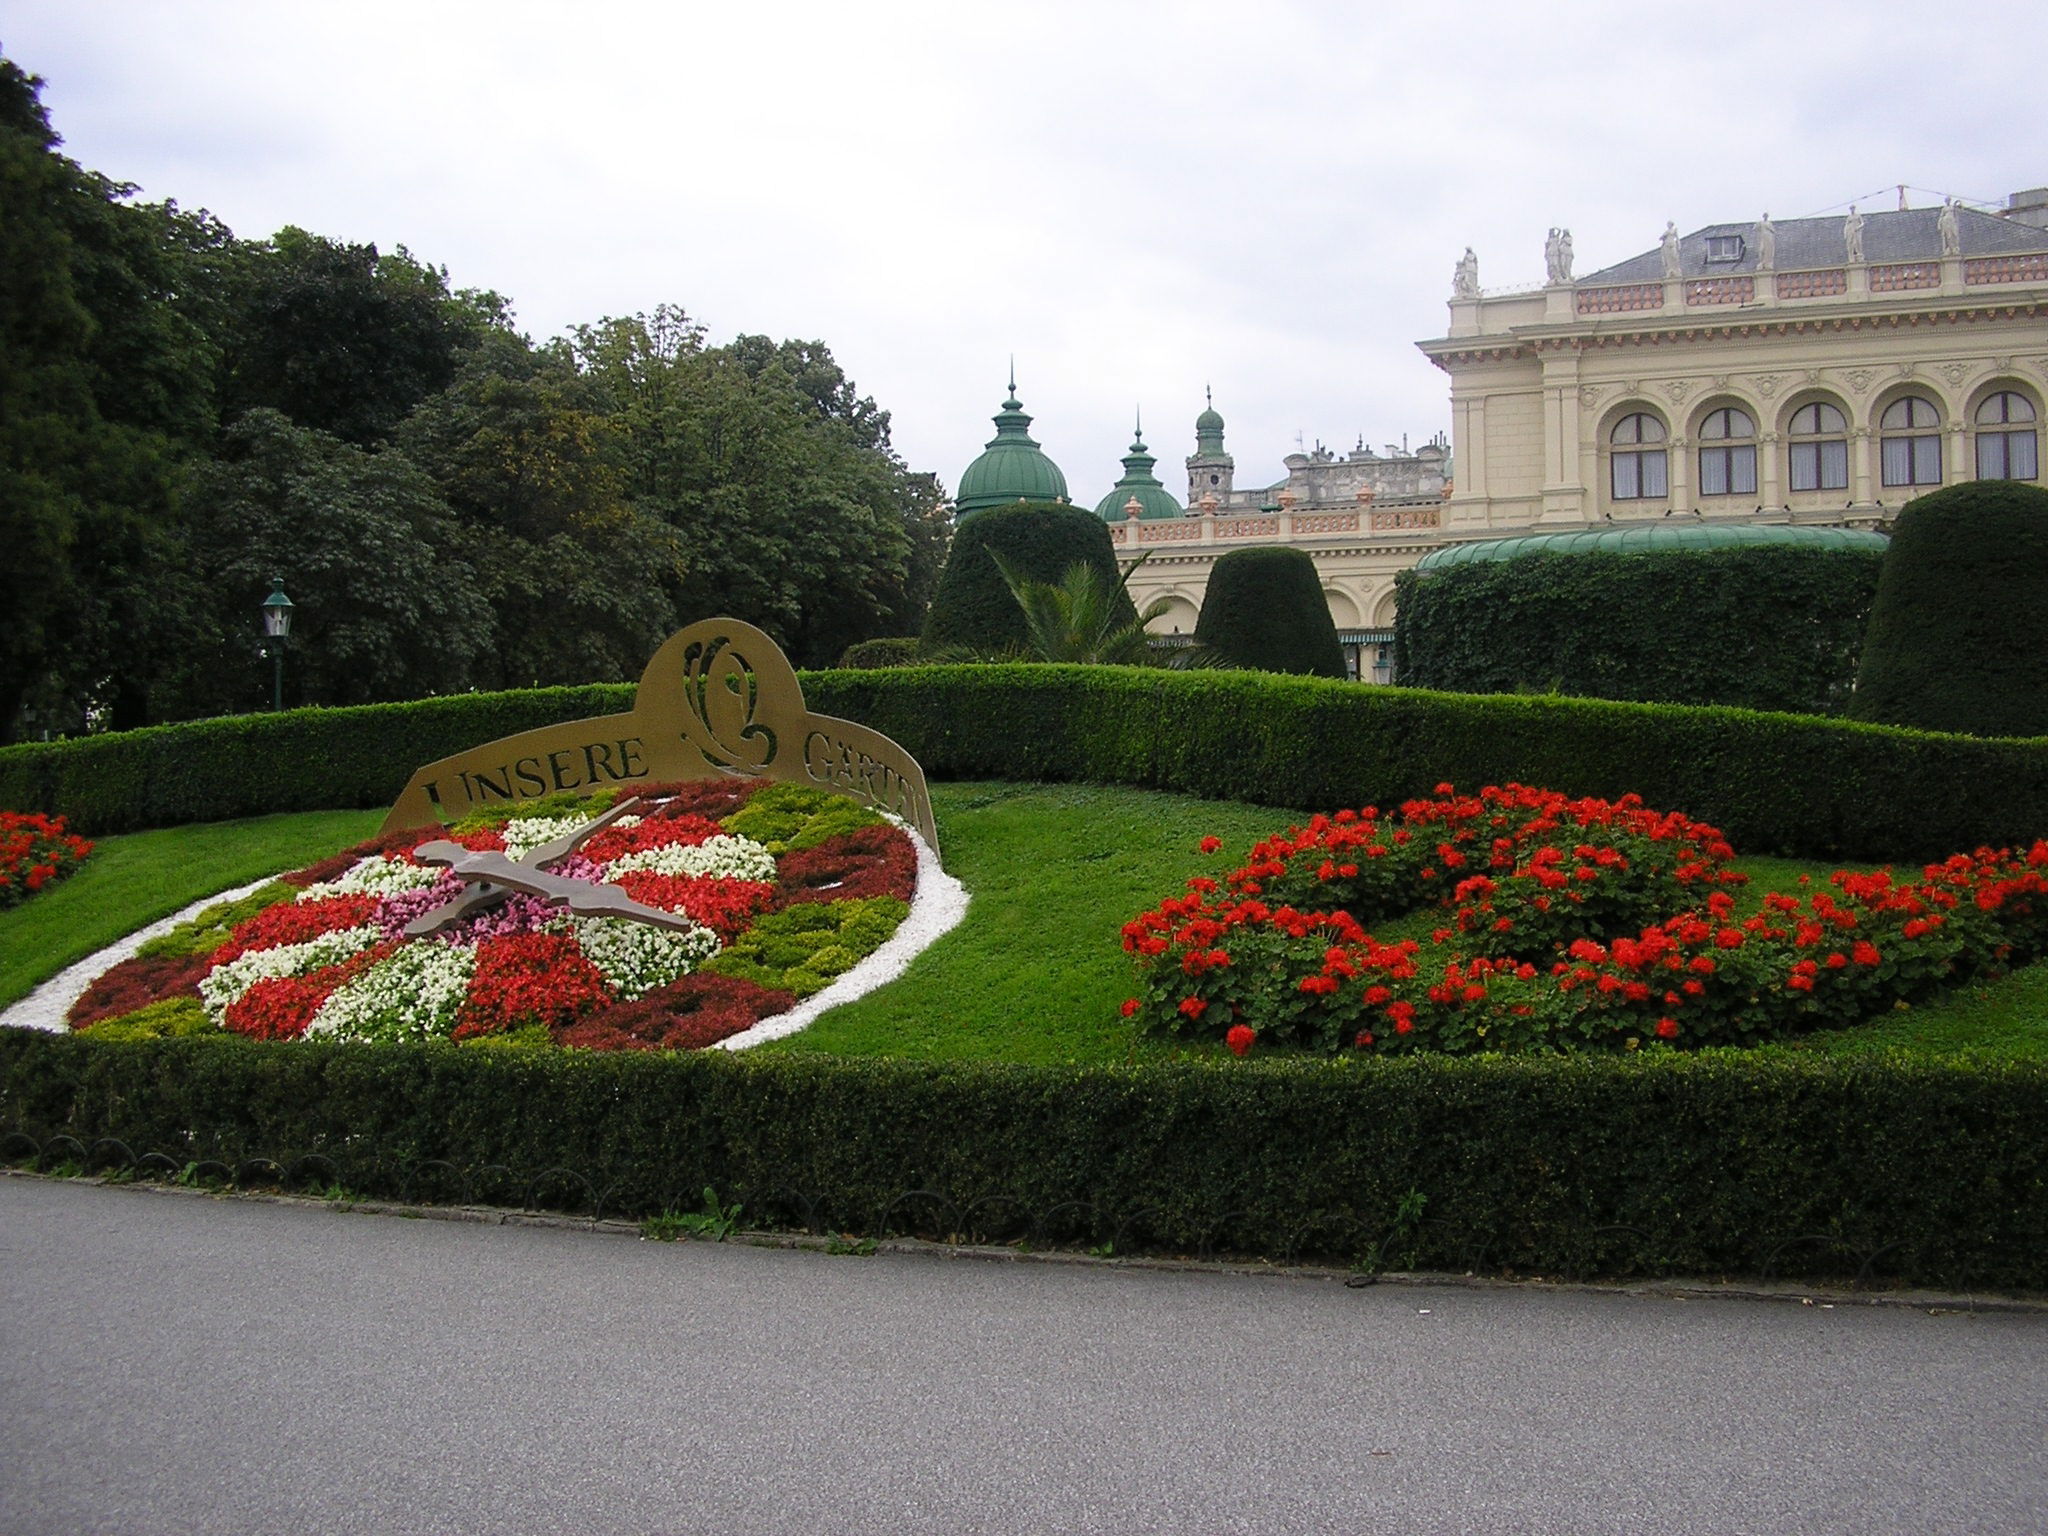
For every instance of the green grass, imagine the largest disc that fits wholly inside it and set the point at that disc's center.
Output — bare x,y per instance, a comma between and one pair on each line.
133,880
1035,973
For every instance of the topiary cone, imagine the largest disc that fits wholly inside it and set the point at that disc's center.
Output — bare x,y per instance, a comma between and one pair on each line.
1264,609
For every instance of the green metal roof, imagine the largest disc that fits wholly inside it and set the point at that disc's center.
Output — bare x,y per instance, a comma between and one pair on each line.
1650,538
1012,468
1209,430
1154,500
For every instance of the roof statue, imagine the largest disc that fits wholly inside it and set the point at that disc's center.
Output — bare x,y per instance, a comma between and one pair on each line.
1670,248
1951,231
1557,257
1465,280
1766,244
1852,234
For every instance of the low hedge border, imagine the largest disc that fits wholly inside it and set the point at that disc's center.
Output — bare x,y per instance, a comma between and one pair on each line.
1897,1170
1791,784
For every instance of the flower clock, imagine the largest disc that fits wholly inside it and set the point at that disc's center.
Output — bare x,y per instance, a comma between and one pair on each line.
672,920
1555,924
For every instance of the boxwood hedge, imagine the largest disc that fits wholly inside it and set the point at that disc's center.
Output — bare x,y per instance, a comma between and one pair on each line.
1705,1164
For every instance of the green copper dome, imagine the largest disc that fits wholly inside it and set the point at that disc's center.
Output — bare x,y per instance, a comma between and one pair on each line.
1012,468
1650,538
1154,500
1209,430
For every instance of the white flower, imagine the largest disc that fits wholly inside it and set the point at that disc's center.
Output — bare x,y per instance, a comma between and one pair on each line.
527,833
223,986
725,856
634,957
383,876
410,995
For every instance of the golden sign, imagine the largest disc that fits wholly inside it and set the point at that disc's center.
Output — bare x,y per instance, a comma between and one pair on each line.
718,700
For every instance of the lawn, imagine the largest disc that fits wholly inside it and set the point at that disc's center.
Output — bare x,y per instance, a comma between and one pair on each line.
1034,974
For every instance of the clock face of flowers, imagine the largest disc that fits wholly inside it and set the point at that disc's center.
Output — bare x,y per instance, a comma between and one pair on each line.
779,889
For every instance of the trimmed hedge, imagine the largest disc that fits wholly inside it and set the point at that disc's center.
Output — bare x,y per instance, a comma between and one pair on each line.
1824,789
897,651
1954,643
1757,628
973,606
1709,1164
1265,609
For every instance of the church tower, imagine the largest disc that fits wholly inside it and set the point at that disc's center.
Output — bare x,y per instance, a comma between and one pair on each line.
1209,466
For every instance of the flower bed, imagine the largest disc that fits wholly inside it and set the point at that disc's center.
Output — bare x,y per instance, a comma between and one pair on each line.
1567,924
35,852
752,896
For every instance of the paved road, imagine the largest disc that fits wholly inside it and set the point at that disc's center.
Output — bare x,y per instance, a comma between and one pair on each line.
172,1365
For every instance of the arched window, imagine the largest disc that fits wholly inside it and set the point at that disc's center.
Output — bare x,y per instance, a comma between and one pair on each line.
1820,448
1728,453
1638,468
1909,438
2006,446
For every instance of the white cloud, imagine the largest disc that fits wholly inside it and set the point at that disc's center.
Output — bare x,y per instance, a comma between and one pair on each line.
1136,199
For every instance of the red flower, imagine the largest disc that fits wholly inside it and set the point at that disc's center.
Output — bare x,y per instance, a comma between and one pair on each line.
1863,952
1667,1029
1240,1038
1130,1006
1193,1007
1211,844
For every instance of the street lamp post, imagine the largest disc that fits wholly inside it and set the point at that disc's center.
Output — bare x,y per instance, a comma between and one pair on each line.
277,627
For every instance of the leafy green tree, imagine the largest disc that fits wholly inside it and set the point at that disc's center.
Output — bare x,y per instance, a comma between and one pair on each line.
344,339
104,376
386,605
789,508
577,581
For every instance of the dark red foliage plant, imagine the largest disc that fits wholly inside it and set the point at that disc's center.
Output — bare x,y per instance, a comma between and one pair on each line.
136,984
868,861
685,1015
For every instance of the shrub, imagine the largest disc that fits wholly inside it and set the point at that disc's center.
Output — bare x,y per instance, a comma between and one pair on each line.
895,651
1716,1163
974,607
1760,628
1265,609
1952,643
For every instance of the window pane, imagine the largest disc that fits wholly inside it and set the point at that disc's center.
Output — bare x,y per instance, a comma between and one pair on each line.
1806,466
1831,420
1742,471
2022,463
1898,461
1713,471
1834,466
1926,460
1625,482
1990,456
1653,474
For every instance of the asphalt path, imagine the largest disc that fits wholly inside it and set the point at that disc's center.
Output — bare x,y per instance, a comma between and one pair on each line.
172,1364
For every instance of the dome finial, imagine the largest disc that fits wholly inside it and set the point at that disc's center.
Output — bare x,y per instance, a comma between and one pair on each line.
1209,397
1013,379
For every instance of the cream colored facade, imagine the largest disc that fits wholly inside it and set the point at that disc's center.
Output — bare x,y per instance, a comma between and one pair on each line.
1769,391
1821,371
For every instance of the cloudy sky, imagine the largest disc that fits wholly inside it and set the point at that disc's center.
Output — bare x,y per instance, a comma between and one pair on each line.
1134,199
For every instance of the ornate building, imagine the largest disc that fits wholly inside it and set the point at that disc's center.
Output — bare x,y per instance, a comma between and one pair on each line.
1364,518
1809,371
1011,468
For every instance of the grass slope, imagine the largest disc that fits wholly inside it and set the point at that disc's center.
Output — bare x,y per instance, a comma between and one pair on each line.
133,880
1034,974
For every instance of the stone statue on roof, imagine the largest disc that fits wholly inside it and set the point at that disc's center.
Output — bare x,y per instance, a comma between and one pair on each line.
1951,229
1557,257
1670,245
1852,234
1766,244
1465,281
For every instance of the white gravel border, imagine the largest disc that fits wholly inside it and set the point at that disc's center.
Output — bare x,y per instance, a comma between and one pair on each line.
45,1007
937,906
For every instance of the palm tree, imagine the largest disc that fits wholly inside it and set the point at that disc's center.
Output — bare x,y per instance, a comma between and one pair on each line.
1082,617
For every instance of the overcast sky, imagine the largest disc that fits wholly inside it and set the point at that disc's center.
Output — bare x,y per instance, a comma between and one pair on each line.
1133,199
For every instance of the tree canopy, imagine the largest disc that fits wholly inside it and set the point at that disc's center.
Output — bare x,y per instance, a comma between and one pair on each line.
186,415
